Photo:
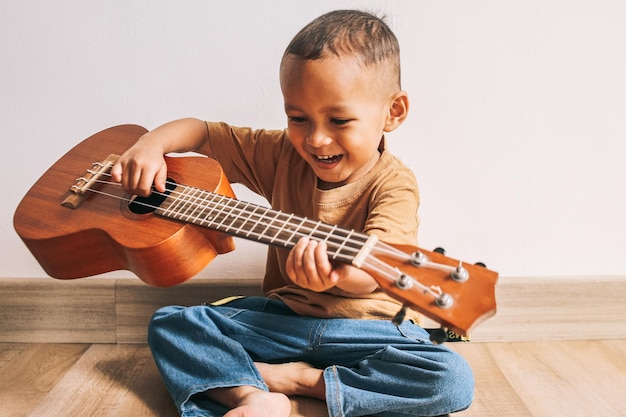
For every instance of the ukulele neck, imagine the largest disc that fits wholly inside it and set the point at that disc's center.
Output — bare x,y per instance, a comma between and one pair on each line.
254,222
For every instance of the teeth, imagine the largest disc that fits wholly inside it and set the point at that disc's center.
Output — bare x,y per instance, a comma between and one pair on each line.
326,158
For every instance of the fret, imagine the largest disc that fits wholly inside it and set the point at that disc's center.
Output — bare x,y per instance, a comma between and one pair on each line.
328,235
254,222
294,232
184,204
207,212
281,228
190,206
196,206
312,232
201,217
221,214
173,208
291,229
243,223
229,219
269,225
338,250
233,215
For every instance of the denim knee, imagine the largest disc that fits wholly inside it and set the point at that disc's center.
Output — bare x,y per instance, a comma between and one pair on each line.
154,327
458,378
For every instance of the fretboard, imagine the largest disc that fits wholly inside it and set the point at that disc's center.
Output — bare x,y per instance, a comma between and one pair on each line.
258,223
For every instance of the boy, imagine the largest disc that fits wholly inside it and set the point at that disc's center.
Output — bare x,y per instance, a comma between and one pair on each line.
324,330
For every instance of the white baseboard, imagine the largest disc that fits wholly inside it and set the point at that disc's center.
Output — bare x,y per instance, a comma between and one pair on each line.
117,310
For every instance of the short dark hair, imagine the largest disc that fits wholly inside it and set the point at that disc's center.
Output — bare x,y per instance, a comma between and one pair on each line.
341,32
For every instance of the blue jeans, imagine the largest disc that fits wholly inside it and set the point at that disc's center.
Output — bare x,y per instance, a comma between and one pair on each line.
371,367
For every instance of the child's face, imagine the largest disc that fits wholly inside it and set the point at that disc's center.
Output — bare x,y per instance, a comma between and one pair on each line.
337,112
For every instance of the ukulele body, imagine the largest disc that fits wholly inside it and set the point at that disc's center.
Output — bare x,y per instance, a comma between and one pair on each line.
102,234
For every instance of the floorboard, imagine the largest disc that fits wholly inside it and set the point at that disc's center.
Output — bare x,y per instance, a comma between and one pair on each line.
573,378
548,379
494,395
109,380
32,373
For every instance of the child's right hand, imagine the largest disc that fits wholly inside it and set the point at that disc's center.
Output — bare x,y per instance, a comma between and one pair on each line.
141,166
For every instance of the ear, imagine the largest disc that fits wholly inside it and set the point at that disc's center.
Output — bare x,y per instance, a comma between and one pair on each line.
398,111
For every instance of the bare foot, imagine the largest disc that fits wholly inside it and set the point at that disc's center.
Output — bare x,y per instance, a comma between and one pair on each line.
252,402
293,378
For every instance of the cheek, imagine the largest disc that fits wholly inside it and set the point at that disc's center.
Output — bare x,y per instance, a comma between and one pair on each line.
295,136
368,138
297,141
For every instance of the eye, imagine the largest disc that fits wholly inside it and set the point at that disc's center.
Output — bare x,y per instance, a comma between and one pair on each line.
340,122
296,119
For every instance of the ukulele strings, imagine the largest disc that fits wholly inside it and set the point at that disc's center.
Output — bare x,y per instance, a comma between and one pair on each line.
304,228
380,268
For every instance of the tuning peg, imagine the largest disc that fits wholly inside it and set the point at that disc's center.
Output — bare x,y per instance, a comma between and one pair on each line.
460,274
440,250
480,264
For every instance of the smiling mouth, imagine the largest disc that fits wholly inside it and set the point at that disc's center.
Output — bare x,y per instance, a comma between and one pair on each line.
327,159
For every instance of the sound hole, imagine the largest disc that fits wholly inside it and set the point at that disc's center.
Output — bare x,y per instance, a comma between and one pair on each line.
145,205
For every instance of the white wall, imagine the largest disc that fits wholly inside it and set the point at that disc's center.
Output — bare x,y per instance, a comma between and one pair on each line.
517,130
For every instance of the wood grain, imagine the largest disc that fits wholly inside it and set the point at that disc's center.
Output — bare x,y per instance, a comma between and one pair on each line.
494,395
111,310
557,308
109,380
576,378
32,372
136,302
35,310
103,235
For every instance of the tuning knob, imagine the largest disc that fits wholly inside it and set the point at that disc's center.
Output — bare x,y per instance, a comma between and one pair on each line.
440,250
460,274
444,301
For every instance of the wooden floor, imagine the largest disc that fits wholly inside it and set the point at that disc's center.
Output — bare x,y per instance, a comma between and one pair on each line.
539,379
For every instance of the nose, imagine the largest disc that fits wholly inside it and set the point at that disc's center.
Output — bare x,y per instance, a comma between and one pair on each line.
317,137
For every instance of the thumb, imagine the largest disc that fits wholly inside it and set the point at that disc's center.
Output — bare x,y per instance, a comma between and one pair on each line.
116,172
161,178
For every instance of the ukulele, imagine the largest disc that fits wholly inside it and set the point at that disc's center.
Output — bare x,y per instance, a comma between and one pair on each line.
78,223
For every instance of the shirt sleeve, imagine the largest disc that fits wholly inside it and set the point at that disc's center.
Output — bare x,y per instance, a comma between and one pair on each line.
393,208
247,156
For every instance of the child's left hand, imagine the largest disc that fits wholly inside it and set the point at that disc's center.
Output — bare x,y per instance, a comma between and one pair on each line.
308,266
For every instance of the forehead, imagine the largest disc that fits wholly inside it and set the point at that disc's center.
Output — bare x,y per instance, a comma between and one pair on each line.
330,74
329,65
